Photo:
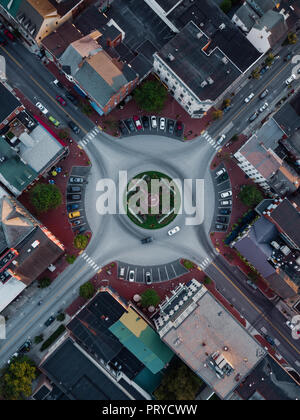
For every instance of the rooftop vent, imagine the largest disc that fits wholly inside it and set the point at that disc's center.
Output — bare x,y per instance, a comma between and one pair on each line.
199,35
210,80
171,57
225,60
222,26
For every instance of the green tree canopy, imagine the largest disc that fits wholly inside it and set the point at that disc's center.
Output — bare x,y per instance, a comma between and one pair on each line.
151,96
87,290
255,73
149,298
269,59
250,195
217,114
15,384
226,6
80,242
45,197
44,282
179,383
292,38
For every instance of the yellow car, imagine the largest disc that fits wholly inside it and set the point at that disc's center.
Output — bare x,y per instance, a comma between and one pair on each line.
74,214
54,121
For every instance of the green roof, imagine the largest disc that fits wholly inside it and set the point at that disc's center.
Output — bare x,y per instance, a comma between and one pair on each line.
13,10
15,174
140,339
148,381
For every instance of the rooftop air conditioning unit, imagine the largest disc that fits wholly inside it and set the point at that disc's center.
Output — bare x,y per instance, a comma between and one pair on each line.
199,35
224,60
171,57
210,80
222,26
203,84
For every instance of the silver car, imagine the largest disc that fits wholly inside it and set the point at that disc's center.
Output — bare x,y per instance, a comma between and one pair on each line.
131,275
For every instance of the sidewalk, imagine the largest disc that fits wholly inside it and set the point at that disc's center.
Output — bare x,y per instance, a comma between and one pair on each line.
237,179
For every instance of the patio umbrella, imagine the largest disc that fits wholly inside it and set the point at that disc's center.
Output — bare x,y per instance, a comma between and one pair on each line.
136,298
58,170
151,309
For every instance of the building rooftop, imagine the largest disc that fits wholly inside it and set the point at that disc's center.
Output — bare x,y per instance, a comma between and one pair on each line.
58,41
8,103
206,74
208,338
288,116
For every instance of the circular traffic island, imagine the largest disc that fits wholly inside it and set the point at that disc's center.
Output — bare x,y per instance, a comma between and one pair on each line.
152,200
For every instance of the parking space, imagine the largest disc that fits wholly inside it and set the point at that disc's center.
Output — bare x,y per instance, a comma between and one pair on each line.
75,199
140,125
158,273
223,194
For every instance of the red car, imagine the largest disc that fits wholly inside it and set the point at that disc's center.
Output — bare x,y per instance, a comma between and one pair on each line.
9,34
61,100
137,122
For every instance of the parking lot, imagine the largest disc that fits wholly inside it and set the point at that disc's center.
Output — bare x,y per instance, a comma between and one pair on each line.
158,273
75,199
223,193
151,125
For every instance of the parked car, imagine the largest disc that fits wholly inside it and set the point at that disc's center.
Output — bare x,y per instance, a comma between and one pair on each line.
25,347
264,94
50,321
82,229
224,211
71,207
178,128
129,124
264,70
222,219
171,126
162,123
264,107
54,121
251,284
122,272
76,222
172,232
227,108
222,178
72,98
137,122
58,84
2,40
253,117
153,121
225,203
226,194
148,277
74,189
288,57
74,197
61,100
123,129
220,227
220,172
131,275
41,108
74,127
12,357
9,34
248,99
76,180
220,139
290,325
74,214
147,240
270,340
290,79
145,121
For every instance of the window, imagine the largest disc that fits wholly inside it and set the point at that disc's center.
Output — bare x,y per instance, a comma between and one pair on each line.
158,71
166,79
181,95
189,103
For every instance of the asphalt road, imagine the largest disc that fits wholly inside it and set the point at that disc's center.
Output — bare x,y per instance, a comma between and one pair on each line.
25,72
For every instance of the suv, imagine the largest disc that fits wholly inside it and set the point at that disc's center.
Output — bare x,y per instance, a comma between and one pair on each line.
74,189
50,321
74,127
25,347
147,240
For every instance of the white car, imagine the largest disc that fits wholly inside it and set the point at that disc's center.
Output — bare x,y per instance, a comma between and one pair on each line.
131,275
173,231
248,99
290,325
265,106
226,203
148,277
12,357
162,123
42,108
153,121
290,79
122,272
220,172
219,141
226,194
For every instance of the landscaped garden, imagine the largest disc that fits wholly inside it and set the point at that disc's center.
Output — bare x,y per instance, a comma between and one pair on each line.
152,200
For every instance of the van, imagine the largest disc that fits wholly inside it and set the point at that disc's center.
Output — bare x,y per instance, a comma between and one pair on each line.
74,189
74,214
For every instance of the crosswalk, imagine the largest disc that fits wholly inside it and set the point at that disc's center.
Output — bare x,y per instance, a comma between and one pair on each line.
90,261
89,136
209,140
205,263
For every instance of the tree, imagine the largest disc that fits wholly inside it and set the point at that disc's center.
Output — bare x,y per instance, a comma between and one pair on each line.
61,317
250,195
207,280
292,38
179,383
80,242
269,59
217,114
86,108
151,96
44,282
226,102
38,339
16,382
87,290
226,6
149,298
235,137
255,73
45,197
70,259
